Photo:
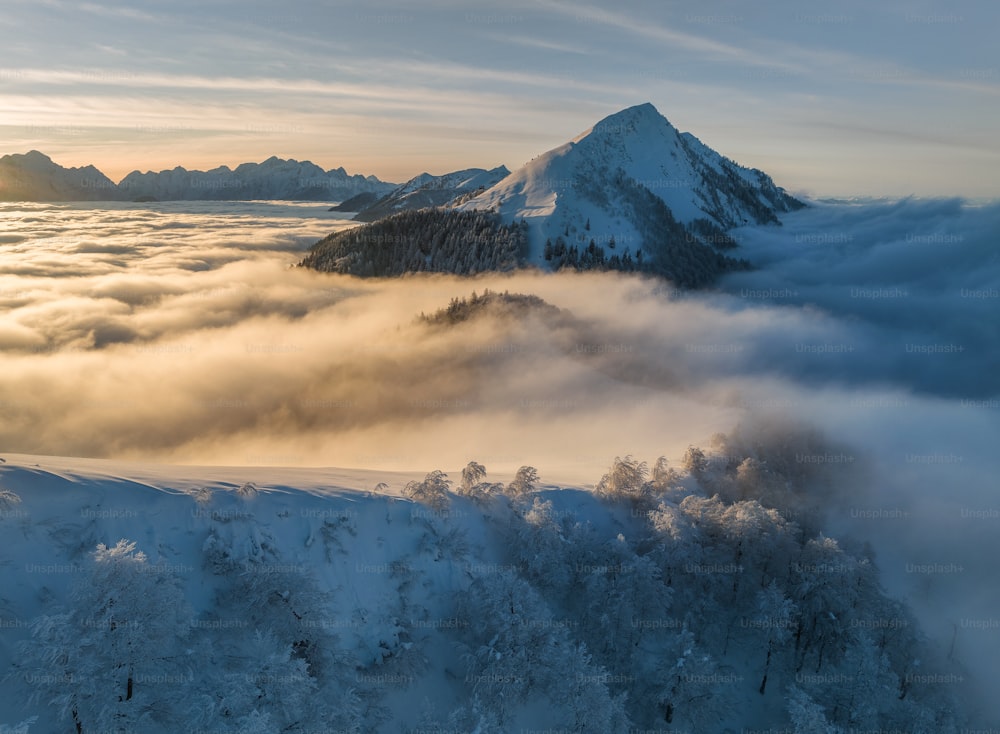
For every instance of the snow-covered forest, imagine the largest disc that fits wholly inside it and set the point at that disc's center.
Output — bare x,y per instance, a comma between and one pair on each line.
470,242
697,597
425,240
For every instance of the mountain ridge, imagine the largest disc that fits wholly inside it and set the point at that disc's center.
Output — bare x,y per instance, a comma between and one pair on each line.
34,176
273,178
427,190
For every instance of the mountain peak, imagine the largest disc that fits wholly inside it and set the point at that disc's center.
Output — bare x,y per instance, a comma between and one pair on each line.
642,118
33,176
646,109
37,155
635,184
33,159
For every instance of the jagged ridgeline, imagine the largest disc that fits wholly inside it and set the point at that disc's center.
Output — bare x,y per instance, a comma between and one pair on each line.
426,240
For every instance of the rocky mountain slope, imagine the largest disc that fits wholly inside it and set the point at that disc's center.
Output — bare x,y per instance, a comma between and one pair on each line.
33,176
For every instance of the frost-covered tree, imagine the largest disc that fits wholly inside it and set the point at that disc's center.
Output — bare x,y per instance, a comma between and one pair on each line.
19,728
695,462
807,716
472,474
872,690
432,491
202,495
281,600
775,619
474,484
247,490
695,692
663,477
257,722
511,646
755,536
8,499
524,481
518,652
474,716
826,594
679,547
270,687
626,478
587,707
102,663
621,590
539,546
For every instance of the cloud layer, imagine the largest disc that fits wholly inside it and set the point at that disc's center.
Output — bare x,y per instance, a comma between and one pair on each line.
182,333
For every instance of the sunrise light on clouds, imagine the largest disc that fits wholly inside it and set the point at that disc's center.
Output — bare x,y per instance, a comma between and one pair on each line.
892,99
611,367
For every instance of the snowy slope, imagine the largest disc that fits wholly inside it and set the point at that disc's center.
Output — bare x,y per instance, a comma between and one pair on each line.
426,190
35,177
301,600
274,178
324,525
586,179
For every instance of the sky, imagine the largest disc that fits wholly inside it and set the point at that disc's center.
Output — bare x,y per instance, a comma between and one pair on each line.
854,99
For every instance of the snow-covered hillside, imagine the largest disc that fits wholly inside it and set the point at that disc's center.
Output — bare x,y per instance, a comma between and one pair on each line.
33,176
426,190
584,190
138,598
274,178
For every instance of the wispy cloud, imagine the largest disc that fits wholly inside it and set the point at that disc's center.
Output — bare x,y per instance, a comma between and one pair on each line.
111,50
650,30
96,9
439,80
543,44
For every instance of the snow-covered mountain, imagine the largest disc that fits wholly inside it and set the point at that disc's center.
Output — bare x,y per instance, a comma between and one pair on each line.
599,187
274,178
426,190
631,194
33,176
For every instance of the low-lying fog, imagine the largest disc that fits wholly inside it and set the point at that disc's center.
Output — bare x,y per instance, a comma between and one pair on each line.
181,333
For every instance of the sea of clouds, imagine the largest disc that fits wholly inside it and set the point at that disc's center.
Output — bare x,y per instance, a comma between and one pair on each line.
184,333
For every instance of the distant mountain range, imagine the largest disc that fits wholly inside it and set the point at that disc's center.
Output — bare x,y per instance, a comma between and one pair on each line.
630,193
35,177
275,178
